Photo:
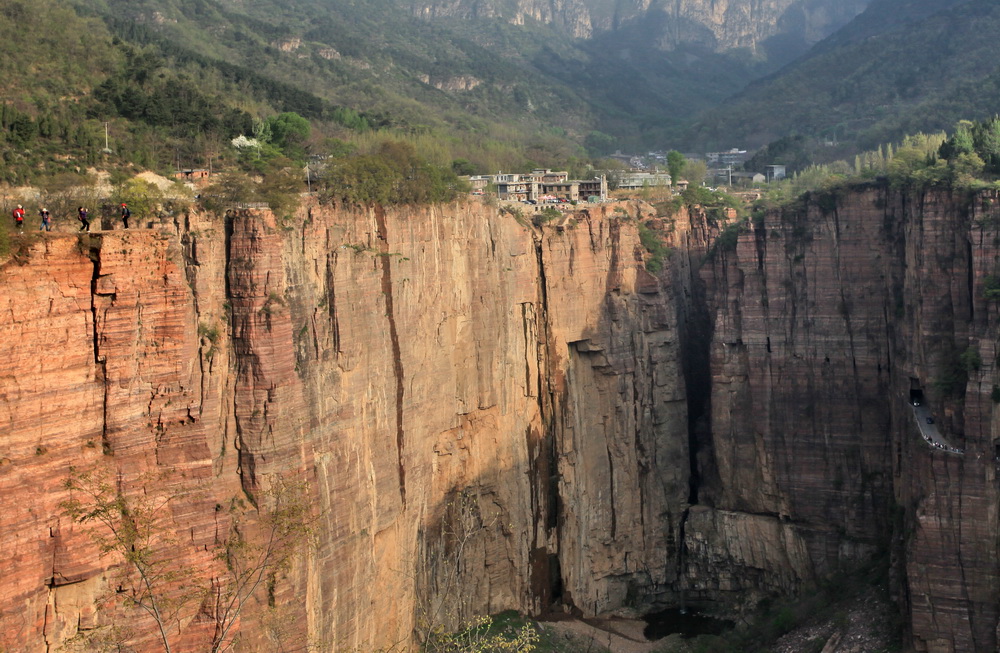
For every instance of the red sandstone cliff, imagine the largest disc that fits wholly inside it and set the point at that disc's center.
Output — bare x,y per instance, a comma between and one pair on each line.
825,317
492,416
489,416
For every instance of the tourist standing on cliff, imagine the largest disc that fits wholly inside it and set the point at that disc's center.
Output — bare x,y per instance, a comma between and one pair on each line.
46,220
84,221
19,217
126,214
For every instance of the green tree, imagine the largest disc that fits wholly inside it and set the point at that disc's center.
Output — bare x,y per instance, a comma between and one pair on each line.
696,171
337,148
23,131
991,288
961,141
675,165
289,132
967,167
230,188
987,142
142,197
599,144
281,188
364,179
463,167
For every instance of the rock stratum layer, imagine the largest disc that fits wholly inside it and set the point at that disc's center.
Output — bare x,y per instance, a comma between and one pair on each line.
492,416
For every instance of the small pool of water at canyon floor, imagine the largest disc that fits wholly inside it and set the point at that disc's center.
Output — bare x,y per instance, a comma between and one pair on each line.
686,622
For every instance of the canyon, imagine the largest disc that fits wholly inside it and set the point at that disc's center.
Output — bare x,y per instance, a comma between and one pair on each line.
490,414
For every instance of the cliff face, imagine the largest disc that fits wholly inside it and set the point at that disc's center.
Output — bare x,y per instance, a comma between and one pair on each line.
827,321
717,25
488,417
492,416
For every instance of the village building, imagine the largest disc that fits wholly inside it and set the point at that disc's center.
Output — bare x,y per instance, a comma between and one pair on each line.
478,184
747,178
515,186
197,176
637,180
731,157
541,185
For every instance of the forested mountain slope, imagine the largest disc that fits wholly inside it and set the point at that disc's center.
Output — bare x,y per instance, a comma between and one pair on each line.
506,84
902,66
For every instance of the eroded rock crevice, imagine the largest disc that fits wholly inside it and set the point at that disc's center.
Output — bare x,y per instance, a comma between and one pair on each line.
397,361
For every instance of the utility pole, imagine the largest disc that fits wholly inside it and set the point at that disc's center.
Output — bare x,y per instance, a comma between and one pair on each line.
107,148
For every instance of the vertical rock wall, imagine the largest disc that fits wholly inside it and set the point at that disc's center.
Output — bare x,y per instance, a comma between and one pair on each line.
489,416
826,318
494,416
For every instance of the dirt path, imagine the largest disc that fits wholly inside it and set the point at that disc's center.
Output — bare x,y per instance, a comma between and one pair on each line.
614,635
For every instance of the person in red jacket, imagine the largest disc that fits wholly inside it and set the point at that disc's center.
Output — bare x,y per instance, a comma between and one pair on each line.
126,214
19,217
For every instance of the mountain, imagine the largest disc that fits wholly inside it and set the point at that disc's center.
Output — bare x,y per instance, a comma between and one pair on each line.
631,70
504,84
900,67
776,31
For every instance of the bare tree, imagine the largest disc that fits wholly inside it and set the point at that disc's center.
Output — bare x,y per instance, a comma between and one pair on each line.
262,540
130,527
261,544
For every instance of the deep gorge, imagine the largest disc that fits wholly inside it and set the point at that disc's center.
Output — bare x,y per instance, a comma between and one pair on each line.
493,416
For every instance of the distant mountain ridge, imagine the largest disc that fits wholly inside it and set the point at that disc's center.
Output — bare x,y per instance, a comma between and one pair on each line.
542,76
719,25
900,67
777,30
604,73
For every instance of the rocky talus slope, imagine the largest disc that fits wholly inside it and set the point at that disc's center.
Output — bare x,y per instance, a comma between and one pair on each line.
495,416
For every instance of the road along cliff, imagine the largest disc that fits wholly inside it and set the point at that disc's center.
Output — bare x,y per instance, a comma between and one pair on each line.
491,415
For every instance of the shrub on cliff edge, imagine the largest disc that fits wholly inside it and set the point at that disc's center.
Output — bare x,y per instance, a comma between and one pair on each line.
653,244
394,174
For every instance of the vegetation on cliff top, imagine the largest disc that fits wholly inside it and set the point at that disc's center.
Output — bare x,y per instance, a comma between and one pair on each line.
168,85
967,160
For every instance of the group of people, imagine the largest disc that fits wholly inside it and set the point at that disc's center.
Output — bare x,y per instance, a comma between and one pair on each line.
943,447
83,215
